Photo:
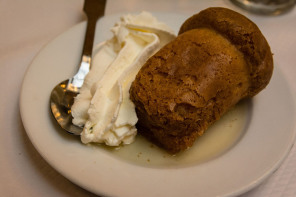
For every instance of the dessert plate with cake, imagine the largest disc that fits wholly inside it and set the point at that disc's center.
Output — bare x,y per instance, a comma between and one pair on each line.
212,118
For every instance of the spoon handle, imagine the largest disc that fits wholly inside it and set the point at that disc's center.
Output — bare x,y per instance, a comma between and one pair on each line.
94,9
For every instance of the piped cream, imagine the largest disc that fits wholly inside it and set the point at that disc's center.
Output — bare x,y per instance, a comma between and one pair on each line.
103,106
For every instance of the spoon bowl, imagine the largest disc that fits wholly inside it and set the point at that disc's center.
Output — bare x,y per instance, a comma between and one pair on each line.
62,96
61,101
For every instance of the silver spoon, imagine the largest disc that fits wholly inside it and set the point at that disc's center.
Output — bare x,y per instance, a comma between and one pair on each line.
62,96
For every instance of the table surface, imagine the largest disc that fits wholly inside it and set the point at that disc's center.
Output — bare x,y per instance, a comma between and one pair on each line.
27,26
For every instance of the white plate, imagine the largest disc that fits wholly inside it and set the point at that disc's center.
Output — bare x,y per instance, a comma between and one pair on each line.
264,145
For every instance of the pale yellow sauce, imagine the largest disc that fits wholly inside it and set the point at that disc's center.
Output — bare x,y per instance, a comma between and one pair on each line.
219,138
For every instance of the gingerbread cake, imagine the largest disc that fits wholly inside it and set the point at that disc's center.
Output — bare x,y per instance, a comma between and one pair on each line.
218,58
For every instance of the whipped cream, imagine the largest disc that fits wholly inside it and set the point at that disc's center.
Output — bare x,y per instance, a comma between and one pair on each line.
103,106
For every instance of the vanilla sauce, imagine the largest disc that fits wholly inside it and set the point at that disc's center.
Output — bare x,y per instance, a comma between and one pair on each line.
219,138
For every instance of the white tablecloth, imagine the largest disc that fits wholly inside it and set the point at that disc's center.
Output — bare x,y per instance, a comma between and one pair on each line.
27,26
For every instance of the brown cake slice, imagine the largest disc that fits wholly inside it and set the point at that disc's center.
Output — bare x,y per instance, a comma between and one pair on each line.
219,58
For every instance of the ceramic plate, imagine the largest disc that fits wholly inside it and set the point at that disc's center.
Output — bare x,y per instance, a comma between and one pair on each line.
266,138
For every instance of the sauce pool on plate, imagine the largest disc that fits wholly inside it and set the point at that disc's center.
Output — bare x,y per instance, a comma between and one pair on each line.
219,138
